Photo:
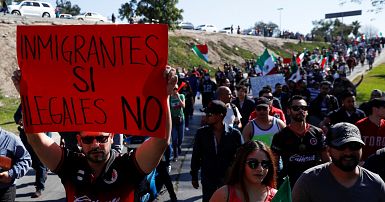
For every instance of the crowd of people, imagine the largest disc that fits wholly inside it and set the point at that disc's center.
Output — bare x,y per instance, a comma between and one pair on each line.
309,129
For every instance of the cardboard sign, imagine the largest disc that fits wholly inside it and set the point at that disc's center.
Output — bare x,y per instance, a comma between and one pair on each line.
257,83
94,78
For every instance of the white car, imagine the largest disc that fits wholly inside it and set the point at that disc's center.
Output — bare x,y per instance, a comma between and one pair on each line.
226,30
32,8
207,28
91,16
66,16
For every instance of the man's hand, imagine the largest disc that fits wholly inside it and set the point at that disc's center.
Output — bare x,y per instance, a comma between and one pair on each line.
5,178
195,184
172,79
16,79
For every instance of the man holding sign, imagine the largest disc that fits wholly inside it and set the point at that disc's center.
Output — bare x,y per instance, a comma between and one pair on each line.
81,85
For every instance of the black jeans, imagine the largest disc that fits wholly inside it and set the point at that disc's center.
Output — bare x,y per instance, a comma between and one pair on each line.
8,194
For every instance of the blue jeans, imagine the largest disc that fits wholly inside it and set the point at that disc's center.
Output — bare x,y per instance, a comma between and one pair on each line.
177,135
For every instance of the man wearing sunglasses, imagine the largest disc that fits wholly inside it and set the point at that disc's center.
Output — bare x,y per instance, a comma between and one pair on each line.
264,126
274,110
342,179
214,148
99,173
300,145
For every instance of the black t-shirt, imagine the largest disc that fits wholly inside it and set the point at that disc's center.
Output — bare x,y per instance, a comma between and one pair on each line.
121,177
376,163
298,153
340,115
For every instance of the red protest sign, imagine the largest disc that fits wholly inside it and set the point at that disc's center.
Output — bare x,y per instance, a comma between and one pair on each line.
94,78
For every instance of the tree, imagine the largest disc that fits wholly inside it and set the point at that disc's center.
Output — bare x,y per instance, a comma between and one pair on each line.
127,11
369,31
152,11
266,29
326,29
377,5
66,7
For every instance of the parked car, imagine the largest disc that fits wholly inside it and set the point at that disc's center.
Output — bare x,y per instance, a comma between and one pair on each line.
66,16
186,25
91,16
207,28
32,8
226,30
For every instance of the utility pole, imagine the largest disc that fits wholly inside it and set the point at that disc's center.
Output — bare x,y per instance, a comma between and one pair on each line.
280,20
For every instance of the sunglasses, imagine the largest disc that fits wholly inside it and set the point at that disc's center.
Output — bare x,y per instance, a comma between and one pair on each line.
269,97
353,146
253,164
90,139
261,108
297,108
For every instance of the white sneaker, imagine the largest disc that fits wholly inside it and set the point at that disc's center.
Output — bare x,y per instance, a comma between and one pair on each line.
187,129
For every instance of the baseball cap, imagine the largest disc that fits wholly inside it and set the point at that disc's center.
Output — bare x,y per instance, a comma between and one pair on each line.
262,101
376,93
377,102
216,107
342,133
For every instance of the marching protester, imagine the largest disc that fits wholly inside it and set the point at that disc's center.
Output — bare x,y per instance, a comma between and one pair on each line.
15,162
40,169
233,117
342,179
177,104
263,126
244,104
372,128
252,176
99,173
274,105
365,106
300,144
348,112
213,150
323,104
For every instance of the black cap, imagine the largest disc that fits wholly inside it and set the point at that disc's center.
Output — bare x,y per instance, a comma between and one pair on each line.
216,107
342,133
262,101
377,102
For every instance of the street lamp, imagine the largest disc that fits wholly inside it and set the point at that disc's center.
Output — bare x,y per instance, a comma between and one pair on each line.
280,20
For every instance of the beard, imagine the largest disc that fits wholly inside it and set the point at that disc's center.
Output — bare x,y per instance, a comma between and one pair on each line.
298,118
96,155
346,166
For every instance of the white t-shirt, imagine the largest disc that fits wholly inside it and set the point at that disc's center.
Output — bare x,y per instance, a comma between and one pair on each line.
230,117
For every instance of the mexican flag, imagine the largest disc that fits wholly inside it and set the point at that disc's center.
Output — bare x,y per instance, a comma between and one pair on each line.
295,70
266,63
322,62
299,59
284,192
201,51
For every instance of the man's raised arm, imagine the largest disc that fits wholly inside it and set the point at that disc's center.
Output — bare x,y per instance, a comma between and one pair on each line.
46,149
151,151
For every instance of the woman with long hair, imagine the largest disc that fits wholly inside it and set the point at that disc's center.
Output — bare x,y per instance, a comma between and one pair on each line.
252,176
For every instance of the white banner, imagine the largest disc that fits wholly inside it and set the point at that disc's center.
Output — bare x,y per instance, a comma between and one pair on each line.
257,83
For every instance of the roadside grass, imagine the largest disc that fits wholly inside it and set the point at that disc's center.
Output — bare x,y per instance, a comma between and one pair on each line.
286,51
180,53
375,79
8,107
